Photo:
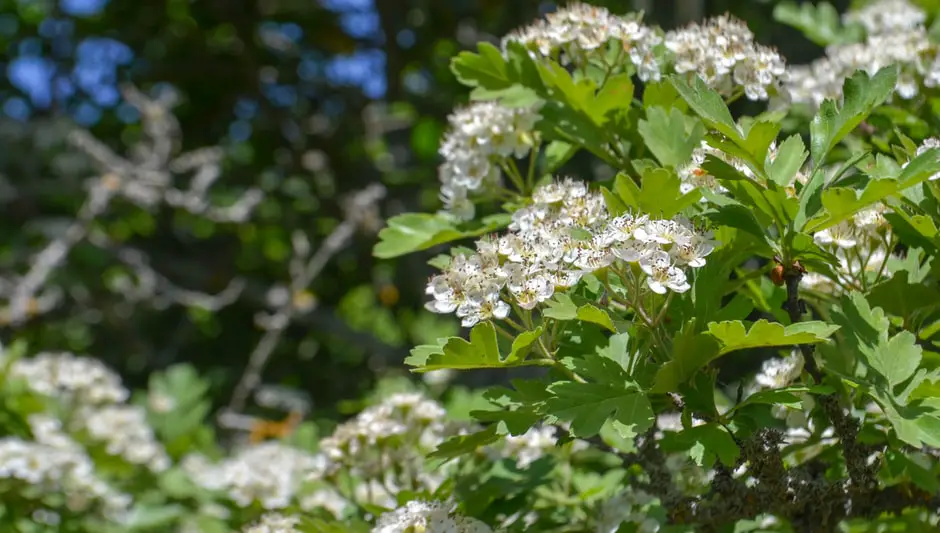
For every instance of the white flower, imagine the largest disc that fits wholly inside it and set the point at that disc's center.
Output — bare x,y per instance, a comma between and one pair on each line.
662,275
777,373
887,16
895,36
842,235
478,138
274,523
76,380
628,506
269,473
722,52
57,465
528,447
392,436
575,33
692,252
125,432
427,517
565,233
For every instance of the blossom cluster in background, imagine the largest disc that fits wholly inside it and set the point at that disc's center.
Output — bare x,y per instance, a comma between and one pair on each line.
565,233
722,52
894,35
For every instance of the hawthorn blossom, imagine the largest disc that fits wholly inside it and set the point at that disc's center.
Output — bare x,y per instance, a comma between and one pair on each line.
429,517
563,234
722,52
479,138
575,33
895,35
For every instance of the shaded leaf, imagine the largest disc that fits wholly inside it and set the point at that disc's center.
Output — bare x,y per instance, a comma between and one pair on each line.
589,405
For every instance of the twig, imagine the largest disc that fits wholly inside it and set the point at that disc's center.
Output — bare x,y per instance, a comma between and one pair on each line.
358,208
155,284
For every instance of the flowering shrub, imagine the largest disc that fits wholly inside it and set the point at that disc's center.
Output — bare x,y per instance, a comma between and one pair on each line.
802,238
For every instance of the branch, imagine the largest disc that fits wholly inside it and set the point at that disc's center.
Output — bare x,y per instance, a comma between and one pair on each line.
802,494
358,210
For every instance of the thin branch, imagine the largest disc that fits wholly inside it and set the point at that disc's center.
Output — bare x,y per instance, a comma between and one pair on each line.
359,207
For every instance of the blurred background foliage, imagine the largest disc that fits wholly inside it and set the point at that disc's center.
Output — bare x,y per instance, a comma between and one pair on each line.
310,100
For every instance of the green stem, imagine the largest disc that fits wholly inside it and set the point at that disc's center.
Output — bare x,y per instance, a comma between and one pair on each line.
662,312
889,248
530,175
502,331
511,170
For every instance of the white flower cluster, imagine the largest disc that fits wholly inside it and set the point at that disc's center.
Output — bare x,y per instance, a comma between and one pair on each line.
75,380
859,244
575,31
427,517
528,447
94,398
631,506
723,53
274,523
391,437
480,137
887,16
693,176
895,35
54,463
125,432
778,372
270,473
565,233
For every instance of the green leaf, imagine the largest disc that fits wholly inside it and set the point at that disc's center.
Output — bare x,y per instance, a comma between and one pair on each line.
708,104
589,405
786,396
690,352
465,444
557,153
617,350
861,95
899,297
820,23
918,230
485,69
589,313
790,158
916,428
522,344
898,464
664,134
920,169
560,307
145,517
661,94
809,200
616,94
660,194
895,359
705,443
841,203
412,232
758,141
481,351
739,217
732,335
614,204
